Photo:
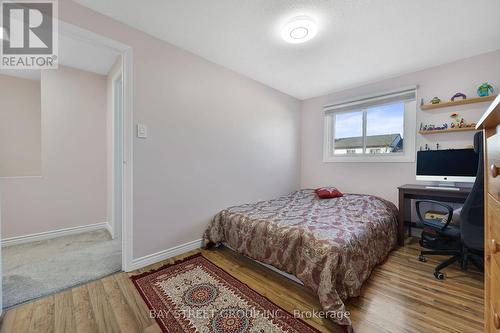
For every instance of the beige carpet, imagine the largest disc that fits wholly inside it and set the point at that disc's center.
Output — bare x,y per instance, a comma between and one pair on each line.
40,268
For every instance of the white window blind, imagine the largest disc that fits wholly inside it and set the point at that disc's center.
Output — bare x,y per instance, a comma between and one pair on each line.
366,102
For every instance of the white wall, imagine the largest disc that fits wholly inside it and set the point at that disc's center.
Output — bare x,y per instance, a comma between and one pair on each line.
216,138
20,148
72,189
382,179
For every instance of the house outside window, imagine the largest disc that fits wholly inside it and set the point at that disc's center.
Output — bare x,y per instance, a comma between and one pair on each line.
379,128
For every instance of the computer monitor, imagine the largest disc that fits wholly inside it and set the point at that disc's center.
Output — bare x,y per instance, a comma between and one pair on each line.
452,165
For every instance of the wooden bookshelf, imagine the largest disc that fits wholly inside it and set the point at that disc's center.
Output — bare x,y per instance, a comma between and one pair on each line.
449,130
458,102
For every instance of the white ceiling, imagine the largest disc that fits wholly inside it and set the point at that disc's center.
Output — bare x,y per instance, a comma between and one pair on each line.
359,41
77,54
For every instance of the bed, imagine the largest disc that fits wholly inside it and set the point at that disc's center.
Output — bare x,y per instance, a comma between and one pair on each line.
331,245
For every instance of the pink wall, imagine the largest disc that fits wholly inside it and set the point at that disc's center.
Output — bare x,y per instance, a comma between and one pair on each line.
20,149
382,179
72,189
216,138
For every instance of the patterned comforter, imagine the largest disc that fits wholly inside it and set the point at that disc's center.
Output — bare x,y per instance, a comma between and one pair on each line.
331,245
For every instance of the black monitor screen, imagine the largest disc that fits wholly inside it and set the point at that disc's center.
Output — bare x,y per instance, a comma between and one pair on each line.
453,162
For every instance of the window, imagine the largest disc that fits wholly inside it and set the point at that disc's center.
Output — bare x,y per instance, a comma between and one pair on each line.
374,129
348,133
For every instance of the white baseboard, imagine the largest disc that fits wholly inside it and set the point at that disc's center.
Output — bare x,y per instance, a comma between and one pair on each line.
109,229
165,254
52,234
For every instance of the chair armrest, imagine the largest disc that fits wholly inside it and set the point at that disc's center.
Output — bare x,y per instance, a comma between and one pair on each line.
448,207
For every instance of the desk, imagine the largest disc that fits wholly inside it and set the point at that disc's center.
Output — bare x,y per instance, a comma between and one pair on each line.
411,191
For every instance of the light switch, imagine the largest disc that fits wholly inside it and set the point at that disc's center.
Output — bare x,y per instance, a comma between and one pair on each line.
142,131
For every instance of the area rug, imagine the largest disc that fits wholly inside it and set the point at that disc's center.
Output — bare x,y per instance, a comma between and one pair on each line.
195,295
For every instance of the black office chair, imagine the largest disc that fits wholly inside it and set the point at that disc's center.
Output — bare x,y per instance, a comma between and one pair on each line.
472,215
463,241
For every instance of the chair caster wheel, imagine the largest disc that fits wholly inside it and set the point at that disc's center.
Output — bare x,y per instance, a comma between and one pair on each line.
439,275
422,258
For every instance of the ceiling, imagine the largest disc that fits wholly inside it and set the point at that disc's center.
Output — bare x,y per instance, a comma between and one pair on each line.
359,41
77,54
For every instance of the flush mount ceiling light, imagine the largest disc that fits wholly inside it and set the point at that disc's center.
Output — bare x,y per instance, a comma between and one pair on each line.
300,29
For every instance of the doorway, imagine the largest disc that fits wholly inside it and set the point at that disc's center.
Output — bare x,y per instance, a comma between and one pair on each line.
118,206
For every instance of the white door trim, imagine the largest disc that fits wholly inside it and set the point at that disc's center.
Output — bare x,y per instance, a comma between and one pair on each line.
86,36
115,211
128,176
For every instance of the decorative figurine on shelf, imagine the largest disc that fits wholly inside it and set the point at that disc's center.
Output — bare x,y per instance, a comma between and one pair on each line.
431,127
458,95
455,123
435,100
485,89
462,123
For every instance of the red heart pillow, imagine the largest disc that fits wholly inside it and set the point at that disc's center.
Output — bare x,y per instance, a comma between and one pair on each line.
328,192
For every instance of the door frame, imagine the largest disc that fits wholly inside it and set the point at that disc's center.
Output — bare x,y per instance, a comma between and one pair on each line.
127,128
117,155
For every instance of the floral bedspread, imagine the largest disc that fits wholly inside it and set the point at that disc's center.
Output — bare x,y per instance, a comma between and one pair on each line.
331,245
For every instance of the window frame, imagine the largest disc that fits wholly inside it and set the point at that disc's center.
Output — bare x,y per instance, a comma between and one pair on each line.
409,133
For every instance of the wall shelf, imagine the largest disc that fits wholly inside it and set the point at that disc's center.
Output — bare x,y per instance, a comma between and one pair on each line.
458,102
449,130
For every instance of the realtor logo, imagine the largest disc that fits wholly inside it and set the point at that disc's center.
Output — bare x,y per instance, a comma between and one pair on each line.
29,34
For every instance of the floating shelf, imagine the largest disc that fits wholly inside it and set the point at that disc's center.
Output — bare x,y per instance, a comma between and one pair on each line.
449,130
458,102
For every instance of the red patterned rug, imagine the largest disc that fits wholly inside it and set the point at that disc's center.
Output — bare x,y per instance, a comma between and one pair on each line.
195,295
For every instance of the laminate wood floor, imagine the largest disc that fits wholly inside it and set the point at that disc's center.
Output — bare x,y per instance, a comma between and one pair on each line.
401,295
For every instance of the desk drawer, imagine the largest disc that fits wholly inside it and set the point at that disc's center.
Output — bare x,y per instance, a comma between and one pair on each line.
494,313
492,245
493,166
